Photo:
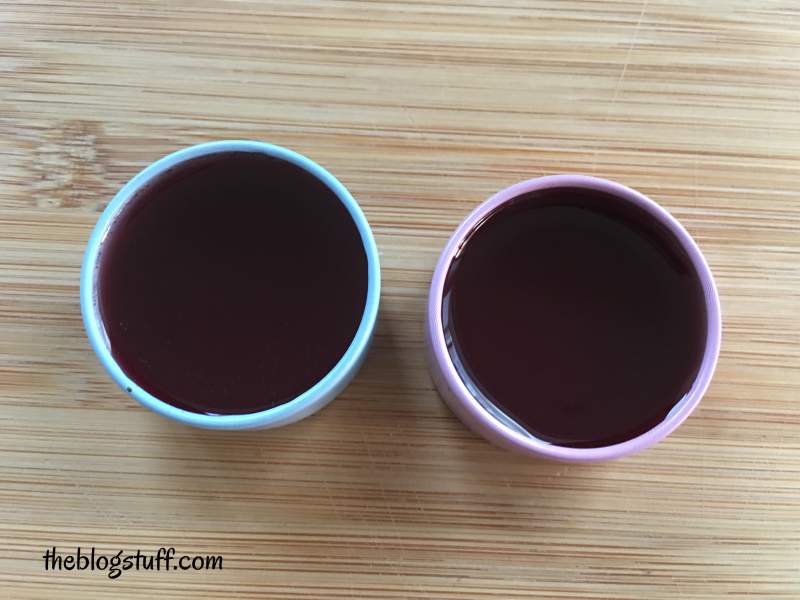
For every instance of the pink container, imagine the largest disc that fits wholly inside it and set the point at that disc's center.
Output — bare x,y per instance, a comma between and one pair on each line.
476,417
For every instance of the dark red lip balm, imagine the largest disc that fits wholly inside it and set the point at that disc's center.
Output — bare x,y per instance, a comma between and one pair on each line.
231,283
577,315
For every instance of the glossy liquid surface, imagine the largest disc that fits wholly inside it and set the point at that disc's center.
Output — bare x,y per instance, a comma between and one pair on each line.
232,283
576,317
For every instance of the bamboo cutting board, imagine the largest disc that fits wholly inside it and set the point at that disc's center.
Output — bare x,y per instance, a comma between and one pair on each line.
422,109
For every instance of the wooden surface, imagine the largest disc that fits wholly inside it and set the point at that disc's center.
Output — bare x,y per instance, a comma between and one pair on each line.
422,109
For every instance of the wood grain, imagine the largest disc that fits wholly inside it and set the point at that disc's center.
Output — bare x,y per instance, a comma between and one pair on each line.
422,109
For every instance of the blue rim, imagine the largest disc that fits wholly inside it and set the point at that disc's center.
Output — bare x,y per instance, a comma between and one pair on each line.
309,401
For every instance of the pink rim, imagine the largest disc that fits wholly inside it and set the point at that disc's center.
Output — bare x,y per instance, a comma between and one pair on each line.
470,411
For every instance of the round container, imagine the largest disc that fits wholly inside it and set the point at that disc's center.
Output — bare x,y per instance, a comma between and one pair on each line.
473,414
303,405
